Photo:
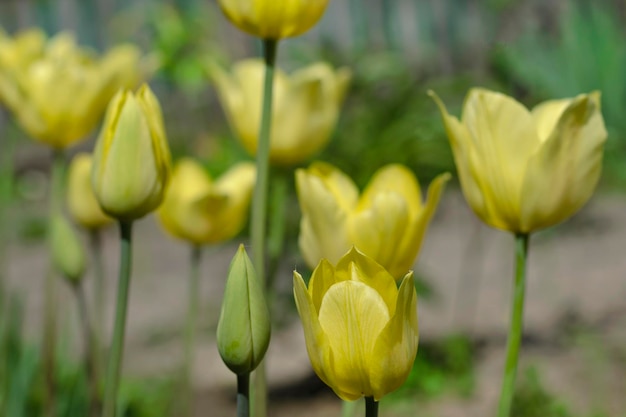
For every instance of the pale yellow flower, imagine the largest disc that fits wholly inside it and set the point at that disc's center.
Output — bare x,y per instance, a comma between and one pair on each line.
202,211
305,108
131,165
57,90
274,19
361,330
81,200
387,222
524,170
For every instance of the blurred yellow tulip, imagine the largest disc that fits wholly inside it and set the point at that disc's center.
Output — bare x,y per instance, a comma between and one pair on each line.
305,107
524,170
131,165
360,329
201,211
274,19
387,222
57,90
81,200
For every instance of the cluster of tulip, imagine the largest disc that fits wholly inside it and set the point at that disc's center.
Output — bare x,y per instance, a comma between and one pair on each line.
520,171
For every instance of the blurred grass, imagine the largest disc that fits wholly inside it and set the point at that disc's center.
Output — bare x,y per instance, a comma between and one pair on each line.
22,379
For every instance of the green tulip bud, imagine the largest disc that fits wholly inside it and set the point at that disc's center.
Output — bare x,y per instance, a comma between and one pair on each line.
131,164
243,330
68,255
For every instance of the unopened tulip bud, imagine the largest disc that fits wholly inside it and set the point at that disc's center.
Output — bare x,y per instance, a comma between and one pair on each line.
132,158
68,255
243,330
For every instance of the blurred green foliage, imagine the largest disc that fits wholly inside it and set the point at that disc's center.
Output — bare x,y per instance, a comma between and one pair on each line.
587,52
22,377
532,399
440,365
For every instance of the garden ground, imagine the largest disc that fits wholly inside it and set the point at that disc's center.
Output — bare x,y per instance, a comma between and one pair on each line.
575,313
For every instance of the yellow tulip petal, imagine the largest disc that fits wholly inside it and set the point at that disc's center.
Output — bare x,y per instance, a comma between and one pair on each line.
504,136
412,241
325,195
178,215
356,266
396,347
322,279
465,159
81,201
562,175
352,316
317,344
340,185
274,19
547,114
394,178
379,228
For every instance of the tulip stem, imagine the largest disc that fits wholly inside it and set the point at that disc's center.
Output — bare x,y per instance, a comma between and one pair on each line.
259,205
50,290
278,223
516,325
347,408
243,395
121,307
190,330
371,407
91,355
6,192
99,290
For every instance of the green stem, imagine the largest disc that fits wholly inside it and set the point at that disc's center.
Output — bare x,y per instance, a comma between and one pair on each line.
243,395
99,293
121,307
6,193
347,408
277,224
515,329
50,294
371,407
259,205
91,356
190,329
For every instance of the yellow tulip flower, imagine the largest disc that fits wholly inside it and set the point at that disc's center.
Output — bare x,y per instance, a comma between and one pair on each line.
524,170
81,200
201,211
360,329
387,222
305,108
131,165
274,19
57,90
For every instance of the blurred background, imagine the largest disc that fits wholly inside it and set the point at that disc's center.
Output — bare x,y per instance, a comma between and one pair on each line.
574,355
